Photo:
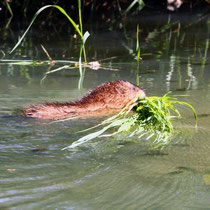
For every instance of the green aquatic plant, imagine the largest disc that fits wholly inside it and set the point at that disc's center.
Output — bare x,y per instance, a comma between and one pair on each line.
140,4
151,118
138,50
8,7
78,29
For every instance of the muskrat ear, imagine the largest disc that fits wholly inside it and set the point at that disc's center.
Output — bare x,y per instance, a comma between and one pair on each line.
119,90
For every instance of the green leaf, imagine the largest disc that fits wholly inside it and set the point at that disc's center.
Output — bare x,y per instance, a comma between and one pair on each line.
35,16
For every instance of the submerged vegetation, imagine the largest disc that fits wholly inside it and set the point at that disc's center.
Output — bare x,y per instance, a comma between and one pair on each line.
151,118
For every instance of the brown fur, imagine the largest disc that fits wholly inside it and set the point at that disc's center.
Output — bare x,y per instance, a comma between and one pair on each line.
111,95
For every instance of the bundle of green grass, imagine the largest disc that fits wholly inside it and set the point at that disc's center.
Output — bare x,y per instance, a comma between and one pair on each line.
148,118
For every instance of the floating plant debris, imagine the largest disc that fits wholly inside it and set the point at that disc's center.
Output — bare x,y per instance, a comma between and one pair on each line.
149,117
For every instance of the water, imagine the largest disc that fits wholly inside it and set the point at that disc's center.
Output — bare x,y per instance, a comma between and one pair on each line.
107,174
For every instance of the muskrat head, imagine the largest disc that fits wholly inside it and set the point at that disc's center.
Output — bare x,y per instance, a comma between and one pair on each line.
126,92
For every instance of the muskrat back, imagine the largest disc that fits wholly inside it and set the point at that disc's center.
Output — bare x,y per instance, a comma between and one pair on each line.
110,95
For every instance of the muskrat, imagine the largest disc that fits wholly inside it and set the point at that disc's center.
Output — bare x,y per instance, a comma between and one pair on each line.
108,96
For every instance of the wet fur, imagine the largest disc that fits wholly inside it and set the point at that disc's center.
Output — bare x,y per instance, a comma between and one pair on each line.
111,95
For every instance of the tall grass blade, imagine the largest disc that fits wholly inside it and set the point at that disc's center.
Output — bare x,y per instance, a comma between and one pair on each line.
80,15
137,44
35,16
8,7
